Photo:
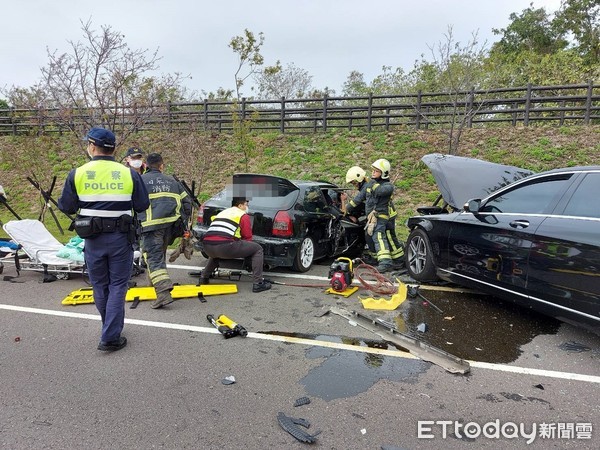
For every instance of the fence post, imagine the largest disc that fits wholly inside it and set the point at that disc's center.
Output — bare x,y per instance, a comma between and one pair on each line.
527,105
369,111
387,119
418,110
282,124
205,114
12,120
169,126
469,111
243,109
325,98
588,102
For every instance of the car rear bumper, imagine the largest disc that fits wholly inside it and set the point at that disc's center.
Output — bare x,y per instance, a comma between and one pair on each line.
278,252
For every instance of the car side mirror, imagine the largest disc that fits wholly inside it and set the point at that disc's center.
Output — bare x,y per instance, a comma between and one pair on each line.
473,205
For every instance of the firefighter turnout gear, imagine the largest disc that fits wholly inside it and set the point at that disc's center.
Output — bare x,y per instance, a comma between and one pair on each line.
384,166
355,173
376,195
163,222
105,193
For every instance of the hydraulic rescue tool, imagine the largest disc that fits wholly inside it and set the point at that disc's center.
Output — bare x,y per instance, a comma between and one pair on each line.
341,275
226,326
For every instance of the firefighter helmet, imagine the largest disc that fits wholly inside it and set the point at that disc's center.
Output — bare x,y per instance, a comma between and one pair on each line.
355,173
384,166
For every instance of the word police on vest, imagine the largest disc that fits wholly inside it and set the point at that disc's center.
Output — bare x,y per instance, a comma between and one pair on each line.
104,186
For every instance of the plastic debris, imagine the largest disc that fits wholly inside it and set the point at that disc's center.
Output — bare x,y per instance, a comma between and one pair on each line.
422,327
574,347
363,431
539,386
290,424
302,401
228,380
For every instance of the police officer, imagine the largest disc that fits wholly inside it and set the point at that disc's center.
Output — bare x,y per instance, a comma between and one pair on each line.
381,236
104,193
229,236
165,220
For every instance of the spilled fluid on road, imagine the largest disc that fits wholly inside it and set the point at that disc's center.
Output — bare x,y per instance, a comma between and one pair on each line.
469,326
345,373
472,326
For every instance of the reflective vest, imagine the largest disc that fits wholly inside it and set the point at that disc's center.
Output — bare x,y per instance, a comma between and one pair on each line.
167,201
227,223
104,188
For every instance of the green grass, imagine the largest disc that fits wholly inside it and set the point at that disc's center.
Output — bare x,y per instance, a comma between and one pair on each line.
325,156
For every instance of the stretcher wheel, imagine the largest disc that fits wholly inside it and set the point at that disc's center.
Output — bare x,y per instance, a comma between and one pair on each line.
63,275
1,267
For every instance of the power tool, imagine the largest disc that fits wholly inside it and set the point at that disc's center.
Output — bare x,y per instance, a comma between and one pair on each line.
226,326
341,274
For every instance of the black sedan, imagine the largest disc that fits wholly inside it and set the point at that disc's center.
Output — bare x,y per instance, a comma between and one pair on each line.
533,239
296,222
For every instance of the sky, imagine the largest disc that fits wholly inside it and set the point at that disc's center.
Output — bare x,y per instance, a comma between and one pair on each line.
327,38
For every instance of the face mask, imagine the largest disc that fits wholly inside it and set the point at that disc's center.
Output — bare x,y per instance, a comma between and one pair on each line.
136,163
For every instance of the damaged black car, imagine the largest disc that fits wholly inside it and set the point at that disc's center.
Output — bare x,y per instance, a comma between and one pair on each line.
296,222
529,238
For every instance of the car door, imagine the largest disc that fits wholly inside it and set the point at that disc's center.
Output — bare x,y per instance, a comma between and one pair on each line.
317,220
564,272
491,246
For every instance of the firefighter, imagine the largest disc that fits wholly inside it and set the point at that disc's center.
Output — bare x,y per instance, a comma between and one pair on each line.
229,236
356,176
376,194
103,193
164,221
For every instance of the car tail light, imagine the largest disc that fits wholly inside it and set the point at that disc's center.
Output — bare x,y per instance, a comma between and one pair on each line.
282,224
200,218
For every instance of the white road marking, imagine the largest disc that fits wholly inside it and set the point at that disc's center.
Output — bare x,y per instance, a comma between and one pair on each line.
310,342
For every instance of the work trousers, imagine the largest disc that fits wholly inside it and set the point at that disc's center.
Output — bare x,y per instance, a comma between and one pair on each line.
154,250
233,250
109,257
384,243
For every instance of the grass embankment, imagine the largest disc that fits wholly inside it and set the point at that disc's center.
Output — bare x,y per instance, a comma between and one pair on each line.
210,159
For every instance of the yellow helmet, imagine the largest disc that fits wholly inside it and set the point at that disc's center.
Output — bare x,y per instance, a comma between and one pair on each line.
355,173
384,166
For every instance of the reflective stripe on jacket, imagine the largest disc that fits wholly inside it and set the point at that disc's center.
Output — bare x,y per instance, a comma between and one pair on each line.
104,188
227,223
168,201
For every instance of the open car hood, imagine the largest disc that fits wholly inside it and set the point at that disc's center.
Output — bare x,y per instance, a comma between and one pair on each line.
460,179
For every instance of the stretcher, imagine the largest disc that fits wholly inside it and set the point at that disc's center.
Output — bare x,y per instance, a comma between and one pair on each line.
86,295
37,250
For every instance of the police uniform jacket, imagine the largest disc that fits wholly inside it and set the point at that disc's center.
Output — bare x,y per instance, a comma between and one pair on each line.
103,188
377,196
168,201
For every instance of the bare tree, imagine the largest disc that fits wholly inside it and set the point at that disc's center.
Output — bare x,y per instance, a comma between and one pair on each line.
101,82
458,70
277,81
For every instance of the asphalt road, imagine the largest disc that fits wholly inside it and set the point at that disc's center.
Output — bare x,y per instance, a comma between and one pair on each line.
165,389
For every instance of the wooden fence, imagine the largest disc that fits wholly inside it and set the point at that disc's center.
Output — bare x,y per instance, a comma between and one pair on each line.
528,105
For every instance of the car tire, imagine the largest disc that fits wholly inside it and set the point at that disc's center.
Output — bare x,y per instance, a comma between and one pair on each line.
304,256
419,257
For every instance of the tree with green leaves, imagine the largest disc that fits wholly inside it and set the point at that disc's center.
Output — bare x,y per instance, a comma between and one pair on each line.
247,47
581,19
532,30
